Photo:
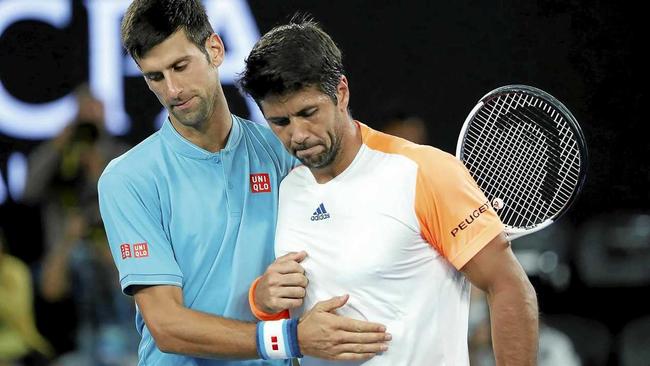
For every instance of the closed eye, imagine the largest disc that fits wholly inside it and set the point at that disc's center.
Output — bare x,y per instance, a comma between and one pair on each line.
154,76
307,112
279,121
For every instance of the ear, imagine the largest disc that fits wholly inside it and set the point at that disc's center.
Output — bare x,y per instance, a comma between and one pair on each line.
343,94
215,48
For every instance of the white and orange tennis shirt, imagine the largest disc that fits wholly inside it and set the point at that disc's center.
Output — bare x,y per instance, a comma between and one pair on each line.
392,230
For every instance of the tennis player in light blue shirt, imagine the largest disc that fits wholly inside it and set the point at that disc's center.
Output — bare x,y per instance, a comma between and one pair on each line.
178,215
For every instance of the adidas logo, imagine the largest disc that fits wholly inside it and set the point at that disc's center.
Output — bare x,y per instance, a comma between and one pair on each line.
320,213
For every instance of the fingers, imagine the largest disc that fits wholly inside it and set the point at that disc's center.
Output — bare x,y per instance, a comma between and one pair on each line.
290,279
354,356
323,334
359,326
368,338
294,292
351,351
285,267
331,304
279,304
292,256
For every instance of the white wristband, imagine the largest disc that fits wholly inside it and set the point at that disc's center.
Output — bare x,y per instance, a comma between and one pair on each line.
277,339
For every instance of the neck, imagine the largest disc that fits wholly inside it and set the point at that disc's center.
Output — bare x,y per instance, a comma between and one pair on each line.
212,134
350,145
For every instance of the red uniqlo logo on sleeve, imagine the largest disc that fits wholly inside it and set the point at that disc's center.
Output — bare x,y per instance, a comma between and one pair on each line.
140,250
260,183
126,251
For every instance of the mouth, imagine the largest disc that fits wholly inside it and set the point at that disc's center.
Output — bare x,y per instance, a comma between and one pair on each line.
303,153
184,105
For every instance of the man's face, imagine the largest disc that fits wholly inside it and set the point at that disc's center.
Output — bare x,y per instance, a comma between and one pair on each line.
308,123
183,79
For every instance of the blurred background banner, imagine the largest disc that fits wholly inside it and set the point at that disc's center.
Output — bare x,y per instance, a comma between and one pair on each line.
71,99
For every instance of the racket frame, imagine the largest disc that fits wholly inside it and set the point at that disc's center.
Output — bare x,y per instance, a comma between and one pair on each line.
514,232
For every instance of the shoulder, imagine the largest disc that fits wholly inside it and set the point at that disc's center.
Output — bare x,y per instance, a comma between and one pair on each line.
138,165
429,160
258,131
138,157
297,177
260,140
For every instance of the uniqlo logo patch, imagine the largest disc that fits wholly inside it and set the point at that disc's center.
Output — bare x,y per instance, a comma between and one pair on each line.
126,251
140,250
274,343
260,183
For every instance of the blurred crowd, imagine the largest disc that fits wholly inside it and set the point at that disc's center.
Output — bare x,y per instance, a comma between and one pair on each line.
68,309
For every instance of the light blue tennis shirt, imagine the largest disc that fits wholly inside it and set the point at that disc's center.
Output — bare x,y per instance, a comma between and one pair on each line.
176,214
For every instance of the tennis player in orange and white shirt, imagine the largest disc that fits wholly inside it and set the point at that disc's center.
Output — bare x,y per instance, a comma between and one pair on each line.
399,229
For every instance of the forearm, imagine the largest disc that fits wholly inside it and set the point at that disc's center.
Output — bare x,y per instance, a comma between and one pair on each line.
514,322
177,329
204,335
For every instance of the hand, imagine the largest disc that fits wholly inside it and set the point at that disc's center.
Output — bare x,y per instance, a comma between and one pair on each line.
283,284
323,334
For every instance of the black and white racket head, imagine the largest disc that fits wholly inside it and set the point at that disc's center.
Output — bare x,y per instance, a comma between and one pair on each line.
528,155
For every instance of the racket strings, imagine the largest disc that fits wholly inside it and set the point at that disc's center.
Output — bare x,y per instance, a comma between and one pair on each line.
533,184
524,157
518,165
569,167
535,180
533,166
522,135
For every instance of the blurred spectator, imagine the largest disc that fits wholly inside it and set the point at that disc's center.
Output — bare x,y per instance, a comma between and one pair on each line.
635,343
63,172
82,268
75,308
19,338
408,127
614,250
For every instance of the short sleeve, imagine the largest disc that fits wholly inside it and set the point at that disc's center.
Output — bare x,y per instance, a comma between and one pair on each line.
132,218
454,214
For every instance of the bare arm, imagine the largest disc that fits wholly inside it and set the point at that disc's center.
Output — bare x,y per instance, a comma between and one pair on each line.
512,300
177,329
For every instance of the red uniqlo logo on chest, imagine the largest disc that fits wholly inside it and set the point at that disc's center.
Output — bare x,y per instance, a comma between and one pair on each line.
260,183
126,251
274,343
140,250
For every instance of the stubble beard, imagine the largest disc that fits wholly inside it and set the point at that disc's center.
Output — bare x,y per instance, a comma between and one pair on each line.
194,118
327,157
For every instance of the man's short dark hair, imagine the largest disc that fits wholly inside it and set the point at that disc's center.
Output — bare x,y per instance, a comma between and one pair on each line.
148,23
291,57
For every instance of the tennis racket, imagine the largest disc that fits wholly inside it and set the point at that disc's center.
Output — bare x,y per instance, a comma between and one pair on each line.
528,155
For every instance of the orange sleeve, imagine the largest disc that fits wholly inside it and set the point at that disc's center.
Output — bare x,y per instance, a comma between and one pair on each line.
259,314
454,214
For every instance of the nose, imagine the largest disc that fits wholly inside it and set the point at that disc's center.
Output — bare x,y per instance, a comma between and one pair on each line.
173,86
299,131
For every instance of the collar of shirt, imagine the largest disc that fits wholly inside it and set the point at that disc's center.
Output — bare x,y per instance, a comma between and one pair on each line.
184,147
